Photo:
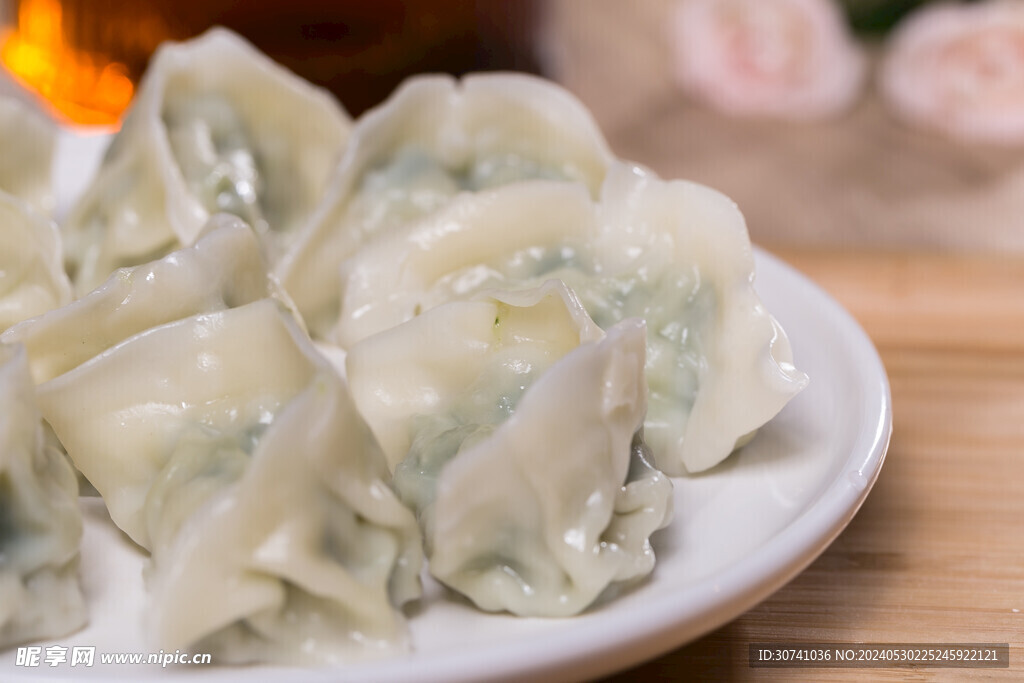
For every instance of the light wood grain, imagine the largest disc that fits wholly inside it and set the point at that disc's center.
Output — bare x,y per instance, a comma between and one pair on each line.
936,554
933,301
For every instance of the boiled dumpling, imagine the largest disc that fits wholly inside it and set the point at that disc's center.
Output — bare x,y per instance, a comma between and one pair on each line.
720,366
394,379
28,140
227,446
40,522
215,127
674,253
432,140
559,503
511,421
32,279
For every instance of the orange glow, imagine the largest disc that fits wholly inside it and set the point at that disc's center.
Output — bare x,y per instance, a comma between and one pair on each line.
79,87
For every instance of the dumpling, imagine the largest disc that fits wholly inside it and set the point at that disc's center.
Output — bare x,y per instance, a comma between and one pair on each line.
432,140
223,269
227,446
393,378
512,423
559,503
28,140
459,251
32,279
40,522
719,366
216,126
676,254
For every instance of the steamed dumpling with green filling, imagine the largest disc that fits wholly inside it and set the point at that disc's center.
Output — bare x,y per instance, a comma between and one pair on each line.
224,444
40,522
435,139
230,449
674,253
512,423
216,126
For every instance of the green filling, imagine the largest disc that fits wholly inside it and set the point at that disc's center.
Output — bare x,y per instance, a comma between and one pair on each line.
437,439
216,157
204,462
678,306
412,184
679,309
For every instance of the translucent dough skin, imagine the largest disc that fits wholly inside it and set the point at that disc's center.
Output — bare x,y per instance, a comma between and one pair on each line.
40,522
672,252
215,126
227,446
534,520
510,420
416,268
28,139
434,139
122,413
32,279
428,364
746,374
223,269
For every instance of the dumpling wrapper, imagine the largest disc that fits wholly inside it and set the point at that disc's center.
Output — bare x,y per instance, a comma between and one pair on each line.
222,270
511,420
216,126
229,448
559,503
40,522
433,139
28,139
32,279
424,366
672,252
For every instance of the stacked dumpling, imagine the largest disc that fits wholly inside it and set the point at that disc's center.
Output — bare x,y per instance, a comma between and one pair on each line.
514,425
526,335
32,279
216,126
225,445
185,389
40,523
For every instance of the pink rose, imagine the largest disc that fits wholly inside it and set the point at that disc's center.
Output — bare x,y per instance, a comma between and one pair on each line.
790,59
959,69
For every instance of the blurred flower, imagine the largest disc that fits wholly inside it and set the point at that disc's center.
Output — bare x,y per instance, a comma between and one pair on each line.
960,69
779,58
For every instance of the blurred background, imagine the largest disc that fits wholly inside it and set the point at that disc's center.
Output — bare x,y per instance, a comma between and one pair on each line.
860,176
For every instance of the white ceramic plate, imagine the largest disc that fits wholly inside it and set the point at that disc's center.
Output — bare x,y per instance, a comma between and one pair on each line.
741,531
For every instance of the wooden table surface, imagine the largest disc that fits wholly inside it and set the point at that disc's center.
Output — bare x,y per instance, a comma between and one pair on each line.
936,553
